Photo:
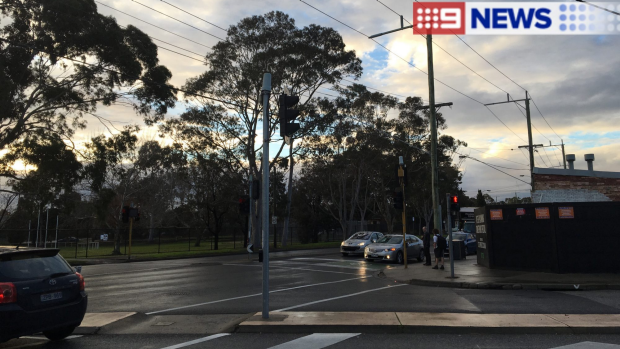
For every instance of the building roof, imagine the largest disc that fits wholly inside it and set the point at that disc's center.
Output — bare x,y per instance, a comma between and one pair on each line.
582,173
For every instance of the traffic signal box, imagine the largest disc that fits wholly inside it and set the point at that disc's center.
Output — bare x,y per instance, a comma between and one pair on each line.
454,204
398,200
286,114
244,205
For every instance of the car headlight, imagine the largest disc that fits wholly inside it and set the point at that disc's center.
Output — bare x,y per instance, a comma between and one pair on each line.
342,243
389,249
362,243
366,249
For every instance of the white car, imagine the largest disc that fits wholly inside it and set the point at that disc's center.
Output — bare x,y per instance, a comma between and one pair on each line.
358,241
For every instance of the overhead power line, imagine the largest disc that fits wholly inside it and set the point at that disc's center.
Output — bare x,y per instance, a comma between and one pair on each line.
178,20
151,24
193,15
411,64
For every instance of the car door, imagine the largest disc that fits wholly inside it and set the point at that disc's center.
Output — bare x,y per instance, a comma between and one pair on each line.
410,247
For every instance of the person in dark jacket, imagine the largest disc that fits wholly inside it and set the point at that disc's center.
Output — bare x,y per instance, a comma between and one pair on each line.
427,246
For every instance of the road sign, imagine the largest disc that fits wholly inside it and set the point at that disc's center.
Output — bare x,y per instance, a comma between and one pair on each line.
274,220
250,248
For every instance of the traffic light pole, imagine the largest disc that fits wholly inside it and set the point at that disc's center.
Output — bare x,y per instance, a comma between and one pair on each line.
401,176
130,229
450,243
265,197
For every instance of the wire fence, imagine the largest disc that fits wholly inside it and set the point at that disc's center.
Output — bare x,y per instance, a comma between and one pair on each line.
99,242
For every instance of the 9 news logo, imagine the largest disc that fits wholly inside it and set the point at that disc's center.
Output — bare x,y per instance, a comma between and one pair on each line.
514,18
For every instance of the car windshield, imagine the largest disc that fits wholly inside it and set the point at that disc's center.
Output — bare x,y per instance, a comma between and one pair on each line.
19,267
459,236
469,227
390,240
362,235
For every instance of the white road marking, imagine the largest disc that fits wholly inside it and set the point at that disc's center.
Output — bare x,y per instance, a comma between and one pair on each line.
127,272
339,297
316,341
589,345
254,295
45,339
196,341
277,266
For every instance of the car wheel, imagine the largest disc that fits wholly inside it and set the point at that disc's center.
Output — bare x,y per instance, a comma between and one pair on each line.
421,256
345,254
399,258
59,334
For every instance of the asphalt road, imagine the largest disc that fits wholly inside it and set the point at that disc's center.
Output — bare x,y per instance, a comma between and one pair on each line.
302,282
305,281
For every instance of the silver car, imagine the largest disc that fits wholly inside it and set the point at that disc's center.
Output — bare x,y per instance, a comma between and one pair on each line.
356,243
390,248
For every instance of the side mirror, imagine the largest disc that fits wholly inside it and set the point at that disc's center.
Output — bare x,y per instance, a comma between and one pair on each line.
374,240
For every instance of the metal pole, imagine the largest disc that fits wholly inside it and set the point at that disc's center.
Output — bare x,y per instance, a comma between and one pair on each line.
401,175
265,192
563,155
450,243
36,244
130,228
249,241
47,218
56,242
29,233
529,138
433,122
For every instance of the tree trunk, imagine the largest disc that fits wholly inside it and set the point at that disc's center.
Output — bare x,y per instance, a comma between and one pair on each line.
151,229
288,204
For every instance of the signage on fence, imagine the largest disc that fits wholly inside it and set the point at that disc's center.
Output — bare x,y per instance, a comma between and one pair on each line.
104,237
520,212
566,212
496,215
542,213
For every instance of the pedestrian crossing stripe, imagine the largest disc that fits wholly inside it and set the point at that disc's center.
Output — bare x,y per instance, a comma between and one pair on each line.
316,341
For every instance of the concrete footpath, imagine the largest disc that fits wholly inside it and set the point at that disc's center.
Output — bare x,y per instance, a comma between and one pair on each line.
471,275
395,322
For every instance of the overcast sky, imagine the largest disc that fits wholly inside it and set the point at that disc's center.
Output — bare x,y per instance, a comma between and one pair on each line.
572,79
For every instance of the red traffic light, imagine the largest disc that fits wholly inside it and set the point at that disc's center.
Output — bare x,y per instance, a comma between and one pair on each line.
454,199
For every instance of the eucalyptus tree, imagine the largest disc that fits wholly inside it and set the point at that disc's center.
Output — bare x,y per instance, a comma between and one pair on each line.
62,60
302,59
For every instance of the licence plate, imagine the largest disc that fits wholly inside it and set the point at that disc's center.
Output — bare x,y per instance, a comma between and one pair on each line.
51,296
374,255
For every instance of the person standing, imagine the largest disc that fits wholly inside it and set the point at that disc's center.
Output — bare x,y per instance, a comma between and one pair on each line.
426,239
439,243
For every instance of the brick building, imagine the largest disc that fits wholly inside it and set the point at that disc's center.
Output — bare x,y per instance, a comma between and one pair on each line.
570,185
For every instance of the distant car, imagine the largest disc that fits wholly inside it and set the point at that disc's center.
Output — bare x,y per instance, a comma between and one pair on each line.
469,240
39,292
356,243
390,248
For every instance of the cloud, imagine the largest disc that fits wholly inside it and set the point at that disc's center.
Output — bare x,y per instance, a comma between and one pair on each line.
572,79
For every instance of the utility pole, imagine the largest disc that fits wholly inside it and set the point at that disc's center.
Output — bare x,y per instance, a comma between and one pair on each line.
266,92
401,177
563,155
450,242
433,121
529,130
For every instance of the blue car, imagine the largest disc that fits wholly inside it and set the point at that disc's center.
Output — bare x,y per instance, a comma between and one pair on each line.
39,292
469,239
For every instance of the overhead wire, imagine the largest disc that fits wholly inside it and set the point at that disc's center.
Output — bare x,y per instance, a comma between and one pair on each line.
193,15
413,65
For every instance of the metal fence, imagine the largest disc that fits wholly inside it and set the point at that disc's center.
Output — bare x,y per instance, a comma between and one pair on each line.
98,242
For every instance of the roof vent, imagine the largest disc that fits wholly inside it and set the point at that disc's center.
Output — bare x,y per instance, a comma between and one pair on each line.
571,159
590,160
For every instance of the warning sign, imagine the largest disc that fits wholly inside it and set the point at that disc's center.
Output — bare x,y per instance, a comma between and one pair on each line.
496,215
566,212
542,213
520,212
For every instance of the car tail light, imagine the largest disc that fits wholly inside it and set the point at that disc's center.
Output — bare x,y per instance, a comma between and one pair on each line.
81,282
8,293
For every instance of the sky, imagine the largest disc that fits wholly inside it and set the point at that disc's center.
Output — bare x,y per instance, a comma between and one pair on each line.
573,80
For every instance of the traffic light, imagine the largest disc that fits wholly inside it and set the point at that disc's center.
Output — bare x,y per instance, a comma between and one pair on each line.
255,189
398,200
125,214
244,205
454,204
286,114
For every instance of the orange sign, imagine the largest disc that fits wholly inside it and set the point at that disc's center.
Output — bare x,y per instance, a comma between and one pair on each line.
520,212
542,213
497,215
566,212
